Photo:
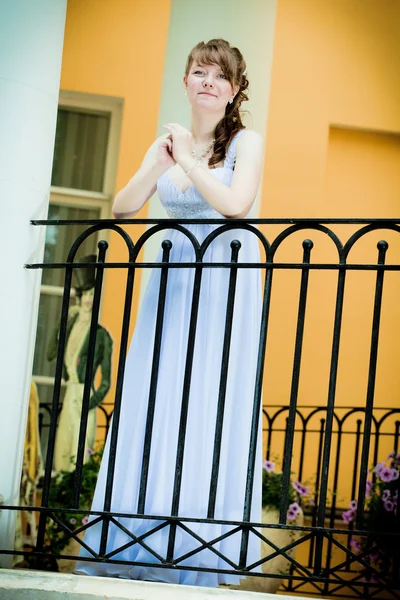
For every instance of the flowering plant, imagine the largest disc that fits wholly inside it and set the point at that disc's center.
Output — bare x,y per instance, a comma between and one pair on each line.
61,495
272,491
381,498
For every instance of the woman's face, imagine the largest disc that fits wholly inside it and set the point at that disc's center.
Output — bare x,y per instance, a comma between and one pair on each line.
207,87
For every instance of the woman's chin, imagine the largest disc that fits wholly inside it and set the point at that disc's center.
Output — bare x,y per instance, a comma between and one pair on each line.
205,104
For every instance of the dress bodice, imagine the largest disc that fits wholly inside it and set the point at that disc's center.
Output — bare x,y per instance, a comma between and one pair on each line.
191,204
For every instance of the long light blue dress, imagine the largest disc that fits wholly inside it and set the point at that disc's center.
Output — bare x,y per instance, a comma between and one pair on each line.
203,399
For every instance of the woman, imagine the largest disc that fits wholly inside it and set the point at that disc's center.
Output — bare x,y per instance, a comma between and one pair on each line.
211,171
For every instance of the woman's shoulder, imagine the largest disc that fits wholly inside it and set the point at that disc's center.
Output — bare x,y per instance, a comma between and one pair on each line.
245,142
249,140
245,139
249,134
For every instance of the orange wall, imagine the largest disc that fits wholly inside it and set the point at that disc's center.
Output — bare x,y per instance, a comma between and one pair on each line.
117,49
333,150
335,62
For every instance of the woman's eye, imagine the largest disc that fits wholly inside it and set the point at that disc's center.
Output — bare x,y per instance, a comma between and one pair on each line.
198,71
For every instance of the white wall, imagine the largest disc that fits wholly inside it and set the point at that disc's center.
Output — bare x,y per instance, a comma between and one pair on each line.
31,41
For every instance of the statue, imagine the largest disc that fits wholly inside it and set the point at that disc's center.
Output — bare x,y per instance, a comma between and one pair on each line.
74,370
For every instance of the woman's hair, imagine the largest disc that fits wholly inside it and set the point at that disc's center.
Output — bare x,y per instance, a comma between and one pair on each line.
220,52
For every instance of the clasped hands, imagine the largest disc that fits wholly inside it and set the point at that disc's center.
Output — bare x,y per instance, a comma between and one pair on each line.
181,150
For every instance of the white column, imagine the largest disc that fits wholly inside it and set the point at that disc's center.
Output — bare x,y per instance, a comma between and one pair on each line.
31,41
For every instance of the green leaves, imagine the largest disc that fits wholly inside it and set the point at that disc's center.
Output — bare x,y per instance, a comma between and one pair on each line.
61,494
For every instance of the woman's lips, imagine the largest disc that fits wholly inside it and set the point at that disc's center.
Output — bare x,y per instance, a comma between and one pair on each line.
206,94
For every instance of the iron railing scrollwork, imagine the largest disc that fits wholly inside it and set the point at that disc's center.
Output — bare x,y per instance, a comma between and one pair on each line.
309,438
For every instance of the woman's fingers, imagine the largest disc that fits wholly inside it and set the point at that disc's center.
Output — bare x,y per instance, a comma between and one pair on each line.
173,127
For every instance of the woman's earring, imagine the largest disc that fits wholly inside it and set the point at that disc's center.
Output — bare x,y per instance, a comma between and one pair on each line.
185,92
231,100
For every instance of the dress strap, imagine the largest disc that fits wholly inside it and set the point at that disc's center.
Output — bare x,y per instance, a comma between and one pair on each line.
230,157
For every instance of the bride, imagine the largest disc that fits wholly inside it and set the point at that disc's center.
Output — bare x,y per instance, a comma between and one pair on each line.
195,468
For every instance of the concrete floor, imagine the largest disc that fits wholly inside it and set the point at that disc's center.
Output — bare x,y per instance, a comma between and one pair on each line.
21,584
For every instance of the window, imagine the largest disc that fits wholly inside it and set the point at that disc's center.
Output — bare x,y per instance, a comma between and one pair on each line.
83,182
80,149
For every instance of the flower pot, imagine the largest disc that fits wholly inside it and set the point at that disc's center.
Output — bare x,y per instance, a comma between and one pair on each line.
65,565
278,565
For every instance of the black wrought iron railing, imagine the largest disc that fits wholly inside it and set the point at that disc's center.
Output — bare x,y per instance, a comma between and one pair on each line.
309,430
313,441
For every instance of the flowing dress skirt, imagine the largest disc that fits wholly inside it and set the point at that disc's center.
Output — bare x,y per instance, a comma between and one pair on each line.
201,419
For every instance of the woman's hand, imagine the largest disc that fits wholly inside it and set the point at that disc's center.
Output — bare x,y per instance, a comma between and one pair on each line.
181,142
164,155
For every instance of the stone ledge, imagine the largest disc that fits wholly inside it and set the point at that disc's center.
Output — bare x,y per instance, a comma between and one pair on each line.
19,584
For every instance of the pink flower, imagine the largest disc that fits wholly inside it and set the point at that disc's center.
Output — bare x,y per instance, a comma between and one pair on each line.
378,468
297,485
386,495
300,488
389,506
386,474
72,521
355,545
390,455
291,515
295,508
89,451
348,516
85,520
353,504
395,474
368,488
269,466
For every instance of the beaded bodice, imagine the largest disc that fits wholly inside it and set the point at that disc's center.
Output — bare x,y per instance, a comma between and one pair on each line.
191,204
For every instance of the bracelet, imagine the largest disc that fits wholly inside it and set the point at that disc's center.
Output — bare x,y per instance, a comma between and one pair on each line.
198,164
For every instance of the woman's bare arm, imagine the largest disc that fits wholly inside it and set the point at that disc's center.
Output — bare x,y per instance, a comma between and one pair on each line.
234,201
143,184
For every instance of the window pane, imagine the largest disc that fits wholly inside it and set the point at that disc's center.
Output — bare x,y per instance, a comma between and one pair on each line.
59,239
80,149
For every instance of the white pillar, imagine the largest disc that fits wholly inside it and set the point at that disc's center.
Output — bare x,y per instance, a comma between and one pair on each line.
31,41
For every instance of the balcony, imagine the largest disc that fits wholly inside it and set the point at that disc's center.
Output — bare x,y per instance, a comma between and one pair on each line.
328,287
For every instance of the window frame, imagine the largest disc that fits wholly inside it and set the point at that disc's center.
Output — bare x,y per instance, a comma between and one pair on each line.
70,197
96,103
